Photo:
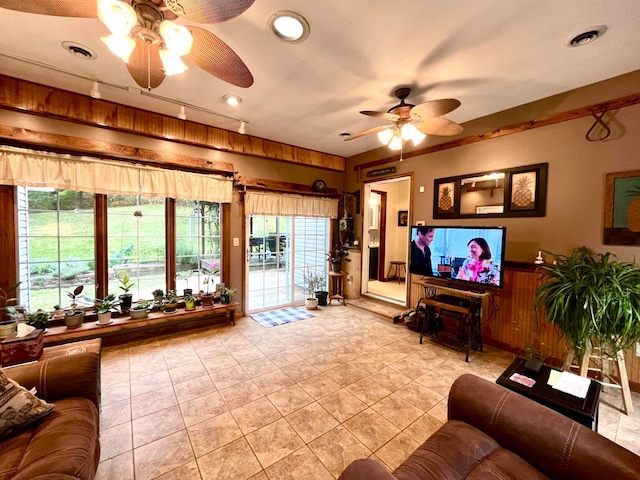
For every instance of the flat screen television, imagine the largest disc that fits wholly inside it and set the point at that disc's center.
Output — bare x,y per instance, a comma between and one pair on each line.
464,255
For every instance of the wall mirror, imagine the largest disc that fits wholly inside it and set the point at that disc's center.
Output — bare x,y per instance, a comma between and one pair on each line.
511,192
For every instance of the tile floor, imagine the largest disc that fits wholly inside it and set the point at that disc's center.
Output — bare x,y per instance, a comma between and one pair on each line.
297,401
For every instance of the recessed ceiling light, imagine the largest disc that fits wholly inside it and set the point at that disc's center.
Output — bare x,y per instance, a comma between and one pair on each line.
589,35
289,27
79,51
232,100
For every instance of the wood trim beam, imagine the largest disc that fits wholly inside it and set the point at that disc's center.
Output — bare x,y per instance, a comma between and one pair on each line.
101,149
32,98
517,128
287,187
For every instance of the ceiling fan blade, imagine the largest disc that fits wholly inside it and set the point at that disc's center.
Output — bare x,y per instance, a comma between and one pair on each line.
435,108
216,57
57,8
206,11
392,117
145,65
439,126
367,132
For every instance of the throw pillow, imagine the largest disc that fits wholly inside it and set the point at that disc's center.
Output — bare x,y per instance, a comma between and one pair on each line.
18,406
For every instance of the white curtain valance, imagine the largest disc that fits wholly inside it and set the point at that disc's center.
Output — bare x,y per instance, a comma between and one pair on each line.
44,169
259,203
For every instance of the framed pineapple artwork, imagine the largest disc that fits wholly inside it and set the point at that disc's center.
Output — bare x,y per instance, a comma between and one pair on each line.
445,199
622,208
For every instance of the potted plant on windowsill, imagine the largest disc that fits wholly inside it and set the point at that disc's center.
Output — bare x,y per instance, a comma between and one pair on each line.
226,295
8,312
189,302
140,310
39,319
312,281
126,298
105,307
158,296
211,269
336,256
593,299
170,302
75,316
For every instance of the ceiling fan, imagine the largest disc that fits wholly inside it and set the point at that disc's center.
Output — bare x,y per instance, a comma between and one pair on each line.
145,36
412,122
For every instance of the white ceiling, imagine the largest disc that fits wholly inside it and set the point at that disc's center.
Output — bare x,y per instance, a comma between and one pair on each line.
490,54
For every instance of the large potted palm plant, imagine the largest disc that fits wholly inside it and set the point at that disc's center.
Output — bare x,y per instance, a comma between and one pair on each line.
592,298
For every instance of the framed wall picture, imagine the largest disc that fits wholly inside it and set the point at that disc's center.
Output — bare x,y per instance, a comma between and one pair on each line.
523,191
622,208
403,218
445,201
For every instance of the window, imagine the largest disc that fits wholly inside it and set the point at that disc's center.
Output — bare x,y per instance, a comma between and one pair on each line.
136,243
198,244
57,245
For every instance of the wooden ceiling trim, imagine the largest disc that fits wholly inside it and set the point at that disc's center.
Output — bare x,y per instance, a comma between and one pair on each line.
517,128
29,97
262,184
100,149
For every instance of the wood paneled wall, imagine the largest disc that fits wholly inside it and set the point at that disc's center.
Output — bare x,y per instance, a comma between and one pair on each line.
38,99
515,327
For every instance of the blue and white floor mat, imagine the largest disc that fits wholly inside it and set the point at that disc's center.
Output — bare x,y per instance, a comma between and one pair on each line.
281,316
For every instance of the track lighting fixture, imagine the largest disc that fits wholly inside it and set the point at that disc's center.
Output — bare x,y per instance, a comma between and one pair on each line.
182,114
95,90
242,129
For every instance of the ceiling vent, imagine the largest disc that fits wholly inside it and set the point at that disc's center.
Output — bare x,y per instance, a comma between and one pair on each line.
588,36
79,51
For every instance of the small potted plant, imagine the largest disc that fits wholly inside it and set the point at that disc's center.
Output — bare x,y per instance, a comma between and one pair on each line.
336,256
105,307
75,316
140,310
312,281
158,296
8,312
57,311
39,319
189,302
226,295
126,298
170,302
209,271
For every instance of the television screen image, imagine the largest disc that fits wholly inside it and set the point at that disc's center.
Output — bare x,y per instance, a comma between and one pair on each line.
474,255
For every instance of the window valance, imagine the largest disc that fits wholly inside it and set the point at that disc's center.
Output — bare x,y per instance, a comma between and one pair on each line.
259,203
44,169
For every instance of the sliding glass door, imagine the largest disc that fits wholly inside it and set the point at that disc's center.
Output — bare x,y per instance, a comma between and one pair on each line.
279,248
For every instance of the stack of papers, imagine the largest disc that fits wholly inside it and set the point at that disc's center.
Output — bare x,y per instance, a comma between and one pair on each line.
570,383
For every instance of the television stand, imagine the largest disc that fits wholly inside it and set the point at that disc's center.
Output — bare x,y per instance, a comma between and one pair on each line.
462,306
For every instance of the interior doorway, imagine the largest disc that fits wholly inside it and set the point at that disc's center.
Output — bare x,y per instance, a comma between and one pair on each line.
386,239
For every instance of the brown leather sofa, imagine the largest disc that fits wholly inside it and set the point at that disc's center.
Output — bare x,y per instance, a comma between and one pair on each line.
63,445
493,433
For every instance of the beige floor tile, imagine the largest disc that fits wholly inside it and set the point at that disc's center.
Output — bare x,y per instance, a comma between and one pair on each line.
285,357
338,448
234,461
162,456
390,378
397,410
311,421
273,381
115,441
259,367
116,413
301,464
342,405
115,392
153,401
290,399
179,358
344,375
256,414
213,433
219,362
439,411
189,471
301,370
324,361
366,364
202,408
371,429
368,390
193,388
423,428
319,386
397,450
150,383
272,348
419,396
116,468
229,376
157,425
247,355
187,372
439,382
240,394
273,442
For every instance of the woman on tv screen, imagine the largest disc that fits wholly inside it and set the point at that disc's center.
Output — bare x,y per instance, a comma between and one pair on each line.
479,267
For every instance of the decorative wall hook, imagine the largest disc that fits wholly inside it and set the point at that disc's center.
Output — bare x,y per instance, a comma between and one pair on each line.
602,124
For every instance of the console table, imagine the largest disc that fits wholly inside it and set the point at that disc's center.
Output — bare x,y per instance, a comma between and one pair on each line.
582,410
463,305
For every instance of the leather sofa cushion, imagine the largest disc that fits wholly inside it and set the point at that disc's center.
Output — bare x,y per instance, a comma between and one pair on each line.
65,442
458,451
